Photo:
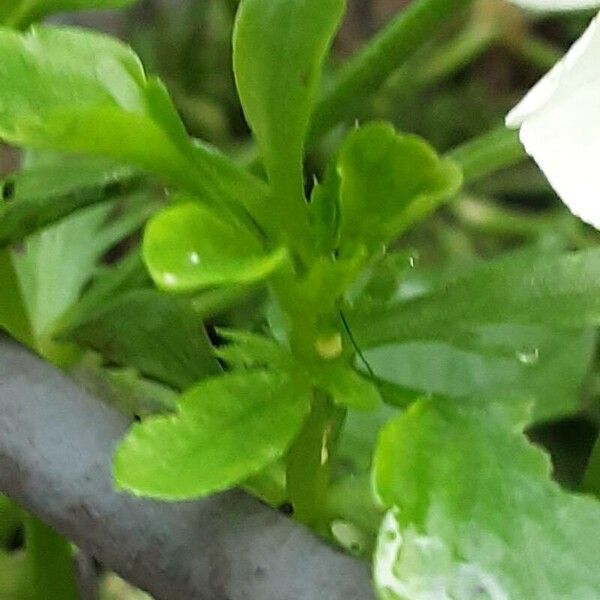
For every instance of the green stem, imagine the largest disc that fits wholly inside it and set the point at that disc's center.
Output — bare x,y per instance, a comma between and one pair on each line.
489,153
487,218
219,300
52,569
388,50
458,53
537,52
308,465
440,63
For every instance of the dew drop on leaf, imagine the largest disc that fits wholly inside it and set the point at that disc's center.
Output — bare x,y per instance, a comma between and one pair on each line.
529,356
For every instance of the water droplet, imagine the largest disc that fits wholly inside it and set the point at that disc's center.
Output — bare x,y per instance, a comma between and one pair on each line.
528,356
413,260
169,279
194,258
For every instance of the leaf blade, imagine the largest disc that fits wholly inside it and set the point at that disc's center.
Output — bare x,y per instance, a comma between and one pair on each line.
278,51
559,290
388,182
225,430
474,519
188,246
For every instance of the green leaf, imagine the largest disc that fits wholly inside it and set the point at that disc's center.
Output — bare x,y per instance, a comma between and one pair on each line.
13,309
54,265
279,48
39,195
559,290
388,182
324,212
43,194
130,324
245,350
475,513
81,92
347,387
109,282
225,430
548,365
158,334
124,388
15,577
188,247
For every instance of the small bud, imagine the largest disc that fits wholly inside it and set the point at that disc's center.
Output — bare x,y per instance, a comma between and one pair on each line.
329,346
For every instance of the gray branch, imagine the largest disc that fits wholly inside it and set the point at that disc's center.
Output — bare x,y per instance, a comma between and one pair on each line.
56,443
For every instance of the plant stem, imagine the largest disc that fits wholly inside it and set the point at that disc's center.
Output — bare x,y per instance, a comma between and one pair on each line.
51,564
486,154
308,465
488,218
441,63
371,67
537,52
468,45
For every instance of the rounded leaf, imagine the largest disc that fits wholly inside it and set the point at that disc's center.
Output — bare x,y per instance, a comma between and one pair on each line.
188,247
225,430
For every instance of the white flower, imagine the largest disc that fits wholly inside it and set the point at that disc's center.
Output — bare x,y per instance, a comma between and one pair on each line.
560,121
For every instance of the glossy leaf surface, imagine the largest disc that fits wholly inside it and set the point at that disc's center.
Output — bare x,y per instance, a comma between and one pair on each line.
188,247
475,514
82,92
225,430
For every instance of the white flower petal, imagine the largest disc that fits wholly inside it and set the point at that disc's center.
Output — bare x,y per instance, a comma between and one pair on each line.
575,69
560,126
556,5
